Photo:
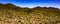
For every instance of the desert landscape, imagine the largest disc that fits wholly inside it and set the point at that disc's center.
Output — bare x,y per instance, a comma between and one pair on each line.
11,14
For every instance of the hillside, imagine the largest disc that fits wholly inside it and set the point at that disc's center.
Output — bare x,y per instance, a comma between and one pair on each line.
11,14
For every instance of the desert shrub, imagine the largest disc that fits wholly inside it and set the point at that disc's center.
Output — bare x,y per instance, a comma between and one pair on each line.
57,15
45,14
0,19
29,11
8,21
57,22
9,14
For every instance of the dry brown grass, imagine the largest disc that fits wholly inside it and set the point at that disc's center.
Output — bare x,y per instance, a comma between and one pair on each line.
10,14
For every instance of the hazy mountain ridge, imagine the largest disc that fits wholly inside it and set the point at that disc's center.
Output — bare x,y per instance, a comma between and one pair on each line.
11,14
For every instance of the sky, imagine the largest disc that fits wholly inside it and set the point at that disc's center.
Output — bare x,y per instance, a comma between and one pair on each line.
33,3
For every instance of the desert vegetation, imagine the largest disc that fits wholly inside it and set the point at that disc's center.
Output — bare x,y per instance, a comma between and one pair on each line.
11,14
